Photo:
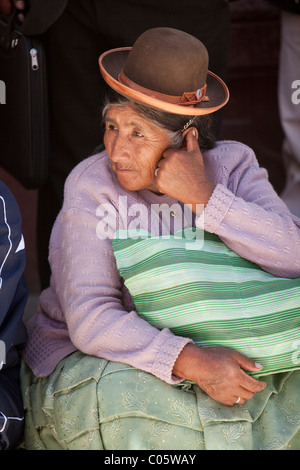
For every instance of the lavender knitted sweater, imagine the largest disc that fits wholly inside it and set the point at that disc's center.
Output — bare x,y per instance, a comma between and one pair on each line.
87,306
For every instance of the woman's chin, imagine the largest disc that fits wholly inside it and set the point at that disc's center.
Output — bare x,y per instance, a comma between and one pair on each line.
128,184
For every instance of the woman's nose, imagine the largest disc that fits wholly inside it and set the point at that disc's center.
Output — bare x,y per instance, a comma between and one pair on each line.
118,150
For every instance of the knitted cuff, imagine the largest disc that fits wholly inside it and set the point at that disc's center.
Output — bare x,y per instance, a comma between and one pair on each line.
216,209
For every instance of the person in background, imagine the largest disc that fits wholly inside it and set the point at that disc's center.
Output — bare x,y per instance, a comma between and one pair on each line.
13,298
289,99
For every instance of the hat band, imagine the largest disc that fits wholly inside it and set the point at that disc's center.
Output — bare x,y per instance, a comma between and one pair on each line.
186,99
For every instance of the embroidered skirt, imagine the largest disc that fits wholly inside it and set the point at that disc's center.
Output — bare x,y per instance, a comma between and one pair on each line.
90,403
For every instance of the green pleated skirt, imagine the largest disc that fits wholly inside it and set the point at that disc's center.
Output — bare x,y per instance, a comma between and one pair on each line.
89,403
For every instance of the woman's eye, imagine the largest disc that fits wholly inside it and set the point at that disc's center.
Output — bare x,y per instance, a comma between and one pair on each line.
110,127
138,134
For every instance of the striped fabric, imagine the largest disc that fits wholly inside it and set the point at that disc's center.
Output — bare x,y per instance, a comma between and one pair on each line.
199,288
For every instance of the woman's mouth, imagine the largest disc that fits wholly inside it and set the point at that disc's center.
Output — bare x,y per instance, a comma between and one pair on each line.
123,170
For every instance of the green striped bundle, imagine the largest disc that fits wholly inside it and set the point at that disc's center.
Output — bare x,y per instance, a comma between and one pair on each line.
199,288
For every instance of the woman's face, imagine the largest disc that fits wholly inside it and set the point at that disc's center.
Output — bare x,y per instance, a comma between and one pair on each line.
134,146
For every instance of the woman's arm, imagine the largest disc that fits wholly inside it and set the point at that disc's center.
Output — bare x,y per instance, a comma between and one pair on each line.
91,295
248,215
240,205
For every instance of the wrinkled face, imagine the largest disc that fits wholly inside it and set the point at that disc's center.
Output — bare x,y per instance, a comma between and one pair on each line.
134,146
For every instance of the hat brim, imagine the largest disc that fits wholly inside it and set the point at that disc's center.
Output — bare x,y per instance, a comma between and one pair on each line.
111,64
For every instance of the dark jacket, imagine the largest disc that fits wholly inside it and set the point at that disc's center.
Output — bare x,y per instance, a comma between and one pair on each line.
41,15
13,289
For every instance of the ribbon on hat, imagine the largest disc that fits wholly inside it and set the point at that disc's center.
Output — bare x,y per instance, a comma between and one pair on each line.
186,99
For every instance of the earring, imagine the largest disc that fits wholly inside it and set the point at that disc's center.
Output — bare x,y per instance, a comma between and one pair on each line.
185,127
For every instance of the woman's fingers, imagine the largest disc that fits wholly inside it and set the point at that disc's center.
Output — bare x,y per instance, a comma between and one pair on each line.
250,383
219,372
181,175
247,381
247,364
244,394
240,386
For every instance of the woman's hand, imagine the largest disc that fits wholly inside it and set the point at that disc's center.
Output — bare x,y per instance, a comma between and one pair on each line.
220,372
181,174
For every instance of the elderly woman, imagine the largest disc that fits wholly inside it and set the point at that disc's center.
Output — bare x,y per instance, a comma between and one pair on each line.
135,344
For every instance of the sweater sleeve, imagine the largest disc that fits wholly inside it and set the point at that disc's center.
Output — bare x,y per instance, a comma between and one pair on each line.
248,215
90,291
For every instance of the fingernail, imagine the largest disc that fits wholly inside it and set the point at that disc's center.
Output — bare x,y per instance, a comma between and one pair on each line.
194,133
258,366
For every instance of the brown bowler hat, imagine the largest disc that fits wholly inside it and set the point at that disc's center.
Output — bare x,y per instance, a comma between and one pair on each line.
165,69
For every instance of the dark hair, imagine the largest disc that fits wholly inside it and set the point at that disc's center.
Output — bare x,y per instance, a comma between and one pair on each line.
172,123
